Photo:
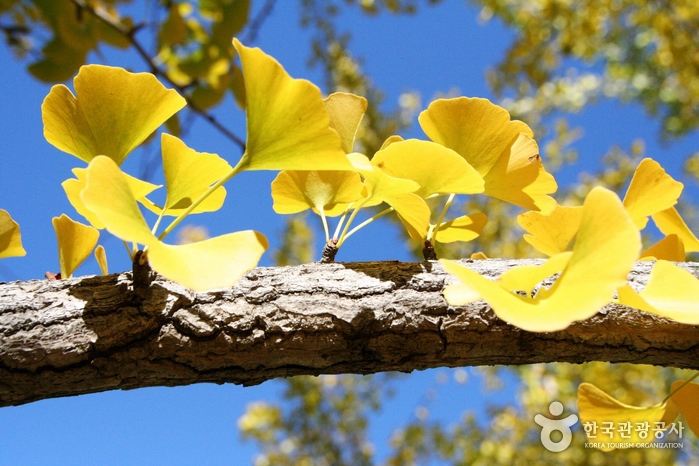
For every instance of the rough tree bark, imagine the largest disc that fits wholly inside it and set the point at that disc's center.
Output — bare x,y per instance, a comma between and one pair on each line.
76,336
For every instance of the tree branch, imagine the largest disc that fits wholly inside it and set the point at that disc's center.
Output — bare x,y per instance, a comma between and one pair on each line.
130,35
93,334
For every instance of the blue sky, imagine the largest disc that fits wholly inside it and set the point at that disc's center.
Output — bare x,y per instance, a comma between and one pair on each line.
442,48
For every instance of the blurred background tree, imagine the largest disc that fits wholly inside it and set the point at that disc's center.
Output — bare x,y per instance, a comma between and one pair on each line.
564,55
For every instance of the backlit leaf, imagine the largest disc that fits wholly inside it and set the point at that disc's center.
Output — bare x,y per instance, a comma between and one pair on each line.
526,277
669,221
670,248
551,233
396,192
112,112
437,169
605,249
101,257
188,174
74,186
671,292
108,196
685,399
75,242
501,150
212,263
345,112
519,177
600,409
651,190
294,191
465,228
288,127
477,129
10,238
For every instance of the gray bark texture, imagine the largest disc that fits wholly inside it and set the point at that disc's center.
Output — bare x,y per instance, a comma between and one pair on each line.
91,334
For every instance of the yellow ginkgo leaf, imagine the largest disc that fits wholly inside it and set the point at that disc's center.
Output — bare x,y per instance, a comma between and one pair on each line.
670,221
75,242
188,174
437,169
212,263
101,257
108,196
651,190
294,191
477,129
479,256
465,228
288,127
74,186
670,248
501,150
390,140
685,396
599,410
551,233
396,192
671,292
519,177
346,112
112,112
605,249
526,277
10,238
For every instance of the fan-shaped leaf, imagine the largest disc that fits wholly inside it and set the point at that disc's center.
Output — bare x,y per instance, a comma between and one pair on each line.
671,292
437,169
112,112
597,407
551,233
75,242
10,238
288,125
605,250
651,191
294,191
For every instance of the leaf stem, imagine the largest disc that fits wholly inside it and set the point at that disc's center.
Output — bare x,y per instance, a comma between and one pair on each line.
435,228
325,223
157,222
368,221
342,220
349,222
237,169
